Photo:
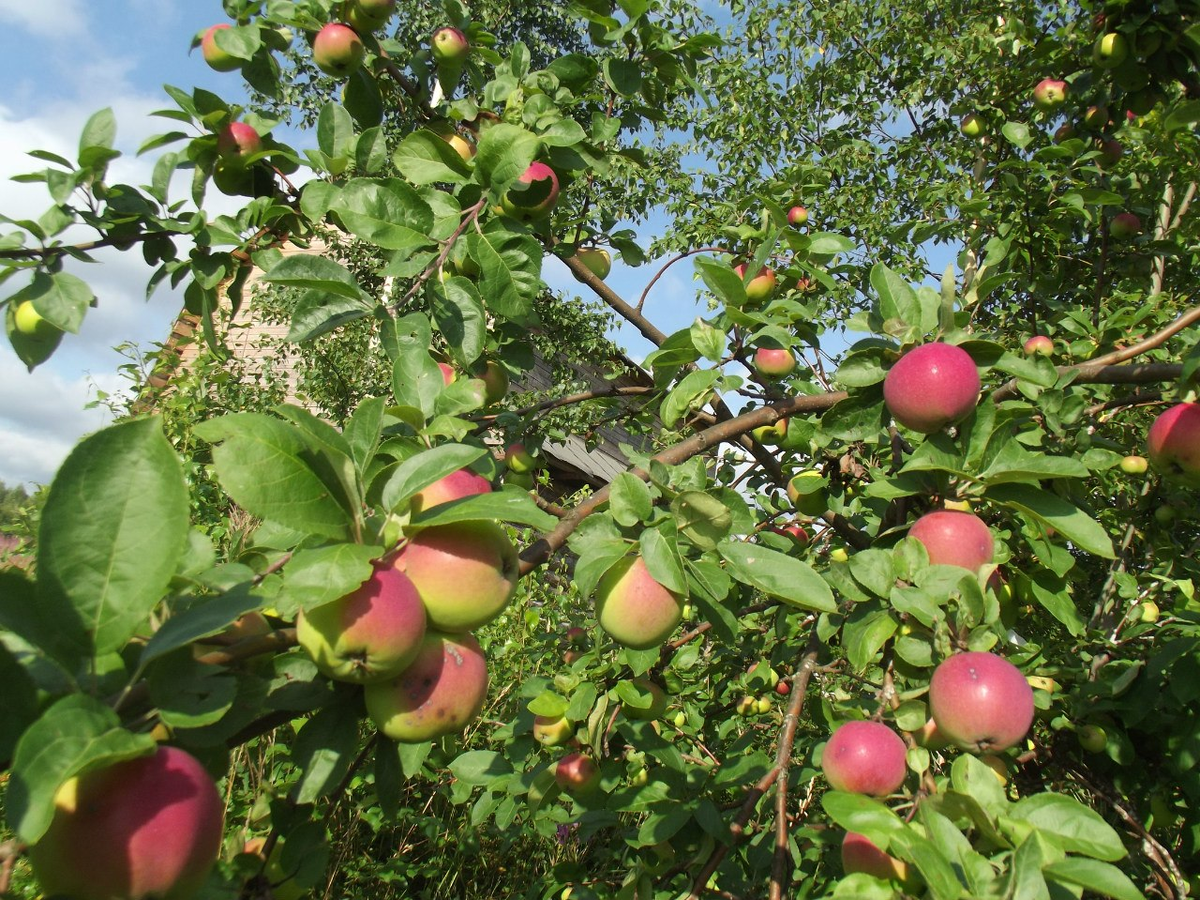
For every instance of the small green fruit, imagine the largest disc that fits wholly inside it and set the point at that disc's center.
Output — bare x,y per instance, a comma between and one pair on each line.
1134,465
28,321
1092,738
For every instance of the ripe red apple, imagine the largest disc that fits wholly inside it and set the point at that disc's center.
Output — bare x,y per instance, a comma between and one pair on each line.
981,701
146,827
1134,465
440,693
658,701
930,736
536,201
1049,94
761,286
865,758
1039,345
576,636
552,731
1110,50
217,58
795,531
972,126
338,50
369,634
797,216
450,46
954,538
859,854
597,259
237,141
783,688
808,493
1125,226
466,573
633,608
518,459
577,773
774,362
931,386
1173,443
463,483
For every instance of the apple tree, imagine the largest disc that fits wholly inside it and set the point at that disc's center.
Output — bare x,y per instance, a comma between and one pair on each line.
897,599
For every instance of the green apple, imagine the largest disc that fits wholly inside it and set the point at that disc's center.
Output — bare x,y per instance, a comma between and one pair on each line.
597,259
1110,50
450,46
28,321
973,126
1134,465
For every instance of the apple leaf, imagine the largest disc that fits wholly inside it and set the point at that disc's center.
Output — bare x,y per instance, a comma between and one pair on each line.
856,812
548,704
317,272
1075,827
207,617
323,574
325,748
425,158
702,518
189,694
504,506
389,214
424,469
692,392
629,500
510,269
505,152
458,310
1075,525
1092,875
320,312
480,767
778,575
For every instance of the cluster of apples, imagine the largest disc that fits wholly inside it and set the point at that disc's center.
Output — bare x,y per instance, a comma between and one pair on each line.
405,633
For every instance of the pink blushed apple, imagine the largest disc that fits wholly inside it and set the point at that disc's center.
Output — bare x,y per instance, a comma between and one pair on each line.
1049,94
237,141
865,758
456,485
953,538
634,608
217,58
761,286
981,701
774,362
535,201
577,773
1125,226
1173,443
338,50
1039,345
931,386
797,216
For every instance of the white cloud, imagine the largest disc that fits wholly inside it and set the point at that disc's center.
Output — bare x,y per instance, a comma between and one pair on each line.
59,19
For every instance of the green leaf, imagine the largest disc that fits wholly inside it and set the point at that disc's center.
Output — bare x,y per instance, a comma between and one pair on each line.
855,812
826,243
548,704
691,393
1075,525
416,378
324,750
458,311
18,702
863,368
316,576
1098,877
335,131
505,506
778,575
864,633
702,518
364,102
1076,828
207,617
319,273
99,132
662,559
76,733
510,269
897,300
113,529
61,299
629,500
425,158
425,468
320,312
708,340
1014,463
505,152
189,694
389,214
1018,134
480,766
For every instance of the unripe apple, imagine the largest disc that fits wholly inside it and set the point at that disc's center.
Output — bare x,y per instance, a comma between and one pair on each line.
808,493
762,705
865,758
1125,226
368,15
859,854
1092,738
577,773
1049,94
1149,611
237,141
1110,50
972,126
466,573
217,58
633,608
138,829
440,693
981,701
597,259
997,765
464,148
449,45
774,362
931,386
369,634
536,201
1134,465
770,435
1039,345
338,50
761,286
839,555
1096,117
552,731
456,485
746,705
930,736
679,719
953,538
640,778
797,216
518,459
28,321
658,701
1173,444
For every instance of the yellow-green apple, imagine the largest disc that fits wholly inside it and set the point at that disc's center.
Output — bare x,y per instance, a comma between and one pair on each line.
28,321
954,538
658,701
597,259
930,736
466,573
1125,226
1111,152
456,485
552,731
771,435
213,55
369,15
143,828
865,758
1148,611
1096,117
450,46
998,766
633,608
1173,443
1049,94
443,129
495,380
338,50
762,705
679,720
746,706
1039,345
237,141
972,126
1110,50
807,491
797,216
1134,465
761,286
283,883
537,199
369,634
1043,683
981,701
1092,738
774,361
577,773
518,459
931,386
859,854
440,693
839,555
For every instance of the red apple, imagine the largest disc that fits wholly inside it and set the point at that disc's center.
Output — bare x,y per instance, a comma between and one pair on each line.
795,531
1065,132
466,573
865,758
576,636
456,485
369,634
774,362
1096,117
495,381
338,50
633,608
981,701
1049,94
954,538
761,286
1173,443
538,199
143,828
1039,345
859,854
1125,226
1111,152
797,216
237,141
577,773
783,688
518,459
450,46
931,386
449,376
217,58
